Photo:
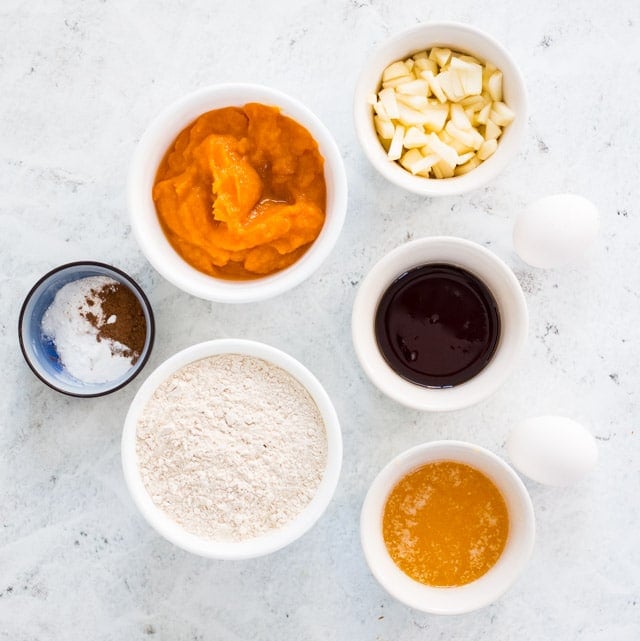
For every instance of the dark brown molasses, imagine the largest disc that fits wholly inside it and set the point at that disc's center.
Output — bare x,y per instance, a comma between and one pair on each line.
437,325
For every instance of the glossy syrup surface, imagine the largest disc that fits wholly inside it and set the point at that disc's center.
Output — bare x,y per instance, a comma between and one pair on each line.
437,325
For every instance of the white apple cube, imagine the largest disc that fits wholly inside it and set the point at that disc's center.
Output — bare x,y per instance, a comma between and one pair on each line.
487,149
467,167
395,148
440,55
388,99
414,88
492,131
501,114
395,70
494,86
384,128
414,138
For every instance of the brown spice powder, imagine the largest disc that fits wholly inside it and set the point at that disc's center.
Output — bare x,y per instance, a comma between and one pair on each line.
128,325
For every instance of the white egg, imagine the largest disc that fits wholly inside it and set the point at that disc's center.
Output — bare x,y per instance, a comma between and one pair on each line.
555,230
553,450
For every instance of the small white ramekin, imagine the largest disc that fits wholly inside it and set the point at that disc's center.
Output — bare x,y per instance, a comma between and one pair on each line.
275,539
463,38
144,220
492,271
478,593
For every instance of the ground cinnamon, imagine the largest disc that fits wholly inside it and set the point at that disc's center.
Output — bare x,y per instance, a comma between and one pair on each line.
122,319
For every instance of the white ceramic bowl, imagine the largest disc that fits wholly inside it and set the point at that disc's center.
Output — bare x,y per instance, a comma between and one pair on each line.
151,149
478,593
463,38
270,541
494,273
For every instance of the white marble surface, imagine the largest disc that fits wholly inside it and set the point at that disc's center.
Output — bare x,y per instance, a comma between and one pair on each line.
80,80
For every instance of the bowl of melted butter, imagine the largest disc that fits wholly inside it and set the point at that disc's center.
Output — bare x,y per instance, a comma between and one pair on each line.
447,527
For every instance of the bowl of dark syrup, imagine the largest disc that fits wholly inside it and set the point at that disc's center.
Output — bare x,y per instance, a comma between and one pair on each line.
439,323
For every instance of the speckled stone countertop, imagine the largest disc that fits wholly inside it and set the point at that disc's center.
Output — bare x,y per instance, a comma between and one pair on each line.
80,81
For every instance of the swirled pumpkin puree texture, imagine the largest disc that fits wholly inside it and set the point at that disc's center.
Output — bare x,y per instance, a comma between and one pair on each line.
241,192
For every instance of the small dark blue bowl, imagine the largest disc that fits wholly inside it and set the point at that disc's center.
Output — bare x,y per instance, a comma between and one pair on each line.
39,351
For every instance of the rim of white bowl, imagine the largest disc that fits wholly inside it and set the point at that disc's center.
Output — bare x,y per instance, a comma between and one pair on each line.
270,541
478,593
407,42
154,143
460,252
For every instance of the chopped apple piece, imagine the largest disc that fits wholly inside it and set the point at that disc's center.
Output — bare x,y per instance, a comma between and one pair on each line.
414,88
470,75
463,158
501,114
435,117
459,117
475,103
425,165
424,64
408,116
451,85
385,128
487,149
395,70
388,99
483,114
415,102
415,137
492,131
467,167
441,149
469,138
456,144
434,85
372,98
416,163
487,72
396,82
395,149
440,55
410,159
436,172
468,58
379,109
494,86
444,169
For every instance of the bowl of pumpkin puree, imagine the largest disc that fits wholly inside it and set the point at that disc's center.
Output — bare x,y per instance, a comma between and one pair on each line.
237,193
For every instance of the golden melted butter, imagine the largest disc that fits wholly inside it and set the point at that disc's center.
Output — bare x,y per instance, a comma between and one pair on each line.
445,524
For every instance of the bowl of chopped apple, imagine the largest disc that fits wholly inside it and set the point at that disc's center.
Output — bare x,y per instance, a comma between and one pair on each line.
440,109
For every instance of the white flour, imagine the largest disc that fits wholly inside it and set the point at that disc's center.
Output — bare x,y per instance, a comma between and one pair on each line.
76,339
231,446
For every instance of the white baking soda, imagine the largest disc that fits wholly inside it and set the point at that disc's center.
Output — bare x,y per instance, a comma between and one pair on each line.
231,447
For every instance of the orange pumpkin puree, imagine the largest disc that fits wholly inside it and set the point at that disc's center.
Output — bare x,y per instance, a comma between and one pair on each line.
445,524
241,192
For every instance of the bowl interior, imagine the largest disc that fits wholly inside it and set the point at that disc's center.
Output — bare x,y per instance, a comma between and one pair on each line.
39,351
462,253
462,38
450,600
152,148
270,541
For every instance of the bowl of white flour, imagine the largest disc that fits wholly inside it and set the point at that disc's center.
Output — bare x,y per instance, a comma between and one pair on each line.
231,449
